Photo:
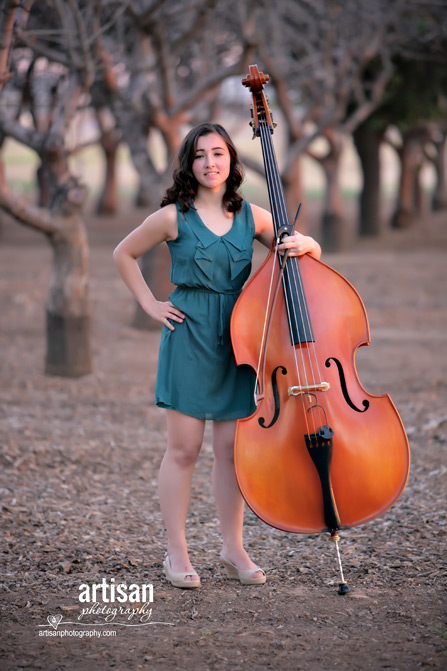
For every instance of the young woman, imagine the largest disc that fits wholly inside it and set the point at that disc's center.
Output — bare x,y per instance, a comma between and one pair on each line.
209,229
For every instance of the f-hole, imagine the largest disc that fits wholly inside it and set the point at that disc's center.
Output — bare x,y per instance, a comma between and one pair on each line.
343,385
261,420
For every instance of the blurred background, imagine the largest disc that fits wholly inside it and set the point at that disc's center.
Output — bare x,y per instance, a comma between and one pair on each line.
95,99
97,96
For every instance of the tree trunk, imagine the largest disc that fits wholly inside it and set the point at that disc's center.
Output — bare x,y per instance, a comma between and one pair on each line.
440,191
420,199
43,183
68,308
294,195
411,157
107,203
2,177
155,266
333,234
68,345
135,134
7,14
367,143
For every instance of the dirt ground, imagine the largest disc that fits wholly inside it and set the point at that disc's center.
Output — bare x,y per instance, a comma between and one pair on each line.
79,502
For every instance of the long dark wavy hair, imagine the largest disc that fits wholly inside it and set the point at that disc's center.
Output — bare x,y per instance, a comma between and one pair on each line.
184,189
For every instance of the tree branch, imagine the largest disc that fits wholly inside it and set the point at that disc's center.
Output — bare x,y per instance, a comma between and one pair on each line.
146,15
329,118
165,69
73,55
86,65
106,73
29,215
284,101
41,50
214,79
25,136
6,26
197,23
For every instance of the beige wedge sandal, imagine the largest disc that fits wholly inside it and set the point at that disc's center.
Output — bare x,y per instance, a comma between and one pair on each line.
179,579
245,576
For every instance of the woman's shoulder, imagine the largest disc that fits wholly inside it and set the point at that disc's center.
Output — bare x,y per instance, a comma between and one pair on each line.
169,212
163,220
261,217
257,210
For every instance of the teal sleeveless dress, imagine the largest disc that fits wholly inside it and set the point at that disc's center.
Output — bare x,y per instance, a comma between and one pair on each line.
197,373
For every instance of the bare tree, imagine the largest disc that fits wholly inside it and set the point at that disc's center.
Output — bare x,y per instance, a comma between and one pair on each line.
317,54
160,71
368,138
410,149
330,64
7,15
414,107
68,63
162,68
439,160
6,25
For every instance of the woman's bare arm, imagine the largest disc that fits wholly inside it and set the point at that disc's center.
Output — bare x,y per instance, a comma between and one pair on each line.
160,226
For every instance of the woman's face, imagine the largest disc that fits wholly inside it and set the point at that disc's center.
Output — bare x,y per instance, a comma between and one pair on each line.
211,163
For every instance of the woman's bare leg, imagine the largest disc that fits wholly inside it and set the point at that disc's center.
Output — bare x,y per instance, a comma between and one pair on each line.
230,503
184,440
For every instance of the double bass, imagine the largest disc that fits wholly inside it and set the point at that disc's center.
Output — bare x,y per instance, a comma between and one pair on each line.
319,453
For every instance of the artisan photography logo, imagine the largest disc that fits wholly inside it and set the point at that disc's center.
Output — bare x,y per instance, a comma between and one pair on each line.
108,604
112,601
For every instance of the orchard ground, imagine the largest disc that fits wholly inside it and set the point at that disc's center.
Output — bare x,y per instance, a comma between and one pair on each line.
79,500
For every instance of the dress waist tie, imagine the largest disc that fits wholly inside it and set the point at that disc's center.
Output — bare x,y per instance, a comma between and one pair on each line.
220,297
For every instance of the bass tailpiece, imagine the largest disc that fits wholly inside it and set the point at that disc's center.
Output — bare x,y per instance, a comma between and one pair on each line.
319,446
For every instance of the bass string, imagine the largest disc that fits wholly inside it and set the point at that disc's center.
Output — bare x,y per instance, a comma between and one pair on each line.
310,345
278,210
278,213
294,275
